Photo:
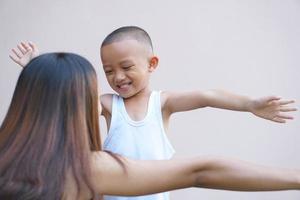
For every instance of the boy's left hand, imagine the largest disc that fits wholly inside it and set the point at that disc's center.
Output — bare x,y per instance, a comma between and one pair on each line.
24,53
272,108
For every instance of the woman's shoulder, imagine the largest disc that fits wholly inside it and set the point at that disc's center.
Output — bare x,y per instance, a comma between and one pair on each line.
108,170
103,163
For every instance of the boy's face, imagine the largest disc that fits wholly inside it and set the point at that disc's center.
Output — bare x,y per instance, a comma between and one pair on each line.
127,65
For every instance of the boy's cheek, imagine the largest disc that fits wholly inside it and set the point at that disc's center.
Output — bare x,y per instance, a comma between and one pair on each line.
110,82
109,78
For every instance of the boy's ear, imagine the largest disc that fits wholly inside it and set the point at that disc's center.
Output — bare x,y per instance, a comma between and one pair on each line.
153,63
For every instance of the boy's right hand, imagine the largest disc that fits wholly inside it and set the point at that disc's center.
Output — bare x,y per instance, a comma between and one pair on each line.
24,53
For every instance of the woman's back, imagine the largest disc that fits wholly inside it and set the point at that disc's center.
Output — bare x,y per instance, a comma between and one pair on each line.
50,128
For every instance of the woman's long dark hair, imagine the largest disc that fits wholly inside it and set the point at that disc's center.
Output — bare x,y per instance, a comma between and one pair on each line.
50,128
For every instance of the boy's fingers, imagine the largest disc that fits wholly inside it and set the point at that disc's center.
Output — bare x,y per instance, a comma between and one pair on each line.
272,98
286,109
279,120
283,116
14,57
286,102
25,46
32,45
16,53
21,48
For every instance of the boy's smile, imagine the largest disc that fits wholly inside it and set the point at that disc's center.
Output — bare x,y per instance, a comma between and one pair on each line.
127,66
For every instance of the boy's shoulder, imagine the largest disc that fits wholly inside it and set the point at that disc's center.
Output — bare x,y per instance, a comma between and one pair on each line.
164,95
107,98
106,102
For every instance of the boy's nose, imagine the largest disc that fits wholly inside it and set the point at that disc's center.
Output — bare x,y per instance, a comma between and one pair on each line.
119,76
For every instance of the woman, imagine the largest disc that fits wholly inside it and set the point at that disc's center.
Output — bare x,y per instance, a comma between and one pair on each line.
50,145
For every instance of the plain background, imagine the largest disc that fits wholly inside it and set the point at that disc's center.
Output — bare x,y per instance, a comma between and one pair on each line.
249,47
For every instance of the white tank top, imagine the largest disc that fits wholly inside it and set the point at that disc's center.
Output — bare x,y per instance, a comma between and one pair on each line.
141,140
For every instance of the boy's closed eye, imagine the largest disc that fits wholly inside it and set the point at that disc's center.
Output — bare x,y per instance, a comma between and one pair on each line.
108,71
127,67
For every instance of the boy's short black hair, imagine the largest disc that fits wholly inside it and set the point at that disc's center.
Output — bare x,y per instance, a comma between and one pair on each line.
128,32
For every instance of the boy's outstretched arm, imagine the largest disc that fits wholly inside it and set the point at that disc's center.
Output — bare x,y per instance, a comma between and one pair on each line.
269,107
24,53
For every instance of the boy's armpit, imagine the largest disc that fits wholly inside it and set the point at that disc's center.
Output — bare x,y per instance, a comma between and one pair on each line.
106,103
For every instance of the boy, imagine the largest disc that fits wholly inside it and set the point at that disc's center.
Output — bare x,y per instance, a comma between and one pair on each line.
137,117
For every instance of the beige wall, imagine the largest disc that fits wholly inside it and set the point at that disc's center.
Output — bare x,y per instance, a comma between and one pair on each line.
249,47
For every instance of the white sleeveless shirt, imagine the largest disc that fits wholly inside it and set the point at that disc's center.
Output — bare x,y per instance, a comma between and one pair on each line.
141,140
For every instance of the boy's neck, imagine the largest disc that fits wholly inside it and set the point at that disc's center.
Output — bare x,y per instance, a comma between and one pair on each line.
137,105
145,92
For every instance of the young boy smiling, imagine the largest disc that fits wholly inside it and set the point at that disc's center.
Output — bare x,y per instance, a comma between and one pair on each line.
137,117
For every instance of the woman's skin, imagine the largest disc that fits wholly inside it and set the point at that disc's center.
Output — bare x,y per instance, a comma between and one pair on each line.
146,177
116,175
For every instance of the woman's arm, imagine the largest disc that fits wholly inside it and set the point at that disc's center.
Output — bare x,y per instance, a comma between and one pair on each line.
146,177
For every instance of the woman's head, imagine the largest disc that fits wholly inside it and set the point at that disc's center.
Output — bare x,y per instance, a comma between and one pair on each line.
51,125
